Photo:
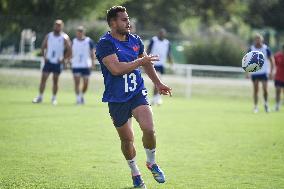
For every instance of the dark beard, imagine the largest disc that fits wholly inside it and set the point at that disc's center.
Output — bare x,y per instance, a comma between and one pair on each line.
122,32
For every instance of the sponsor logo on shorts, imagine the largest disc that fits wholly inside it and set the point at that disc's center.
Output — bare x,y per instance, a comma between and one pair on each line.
144,92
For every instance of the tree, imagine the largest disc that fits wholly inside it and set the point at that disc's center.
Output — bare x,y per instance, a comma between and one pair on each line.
39,15
169,14
266,13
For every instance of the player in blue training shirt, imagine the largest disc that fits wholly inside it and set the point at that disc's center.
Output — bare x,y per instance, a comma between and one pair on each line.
120,55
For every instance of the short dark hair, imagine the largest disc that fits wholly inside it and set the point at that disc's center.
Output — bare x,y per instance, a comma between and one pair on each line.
112,12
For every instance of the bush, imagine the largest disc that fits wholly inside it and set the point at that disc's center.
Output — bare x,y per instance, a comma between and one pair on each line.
212,50
94,30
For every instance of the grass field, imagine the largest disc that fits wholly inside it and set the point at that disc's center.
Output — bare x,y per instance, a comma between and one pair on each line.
204,142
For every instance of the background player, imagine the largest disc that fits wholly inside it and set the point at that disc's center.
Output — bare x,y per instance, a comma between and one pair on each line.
53,47
160,46
120,55
279,77
83,58
262,75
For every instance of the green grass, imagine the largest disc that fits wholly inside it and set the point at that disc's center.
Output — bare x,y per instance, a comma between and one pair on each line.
203,142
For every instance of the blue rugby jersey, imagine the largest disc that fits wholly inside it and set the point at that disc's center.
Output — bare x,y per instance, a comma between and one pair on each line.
123,87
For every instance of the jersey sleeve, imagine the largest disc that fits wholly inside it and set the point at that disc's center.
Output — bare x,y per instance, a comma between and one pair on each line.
105,48
249,50
268,52
141,44
92,44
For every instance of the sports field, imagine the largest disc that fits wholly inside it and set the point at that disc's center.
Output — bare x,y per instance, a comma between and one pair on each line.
205,142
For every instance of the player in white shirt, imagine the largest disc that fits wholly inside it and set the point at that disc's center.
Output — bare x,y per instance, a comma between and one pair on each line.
56,48
160,46
262,75
83,57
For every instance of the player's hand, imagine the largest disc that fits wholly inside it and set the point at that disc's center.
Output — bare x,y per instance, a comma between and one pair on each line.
171,67
63,61
171,62
271,76
247,75
149,59
164,89
94,67
45,59
93,64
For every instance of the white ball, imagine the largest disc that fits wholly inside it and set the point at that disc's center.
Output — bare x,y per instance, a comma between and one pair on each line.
253,61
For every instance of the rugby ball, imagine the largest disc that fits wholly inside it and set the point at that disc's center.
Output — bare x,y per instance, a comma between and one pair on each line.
253,61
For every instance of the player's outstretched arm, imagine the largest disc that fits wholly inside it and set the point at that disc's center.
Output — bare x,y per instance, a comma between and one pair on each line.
119,68
152,74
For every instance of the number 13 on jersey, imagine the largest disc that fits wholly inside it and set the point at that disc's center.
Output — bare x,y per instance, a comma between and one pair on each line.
130,82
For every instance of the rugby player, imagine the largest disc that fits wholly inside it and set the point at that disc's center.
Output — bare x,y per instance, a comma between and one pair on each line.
160,46
279,77
121,54
55,49
83,57
262,75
